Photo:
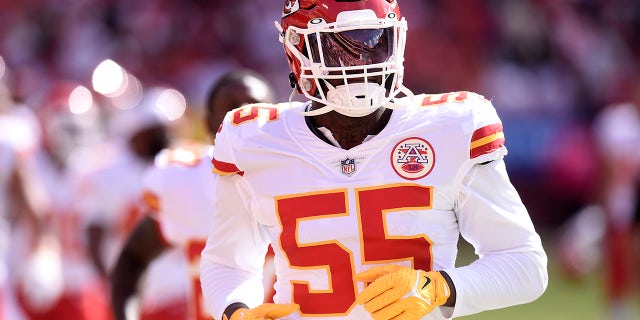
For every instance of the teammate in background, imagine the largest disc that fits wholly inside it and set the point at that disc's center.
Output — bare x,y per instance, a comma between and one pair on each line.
7,172
111,203
359,185
179,193
14,207
617,130
56,277
19,215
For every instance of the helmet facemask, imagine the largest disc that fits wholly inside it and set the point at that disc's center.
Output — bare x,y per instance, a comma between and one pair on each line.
353,65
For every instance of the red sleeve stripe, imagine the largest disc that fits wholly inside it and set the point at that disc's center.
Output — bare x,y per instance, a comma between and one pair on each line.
486,140
224,168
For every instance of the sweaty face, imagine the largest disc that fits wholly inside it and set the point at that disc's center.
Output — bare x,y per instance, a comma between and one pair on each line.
352,48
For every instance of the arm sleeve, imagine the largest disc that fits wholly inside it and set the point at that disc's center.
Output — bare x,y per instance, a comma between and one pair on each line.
512,265
232,261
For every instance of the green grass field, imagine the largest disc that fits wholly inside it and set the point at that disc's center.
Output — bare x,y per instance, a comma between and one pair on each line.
565,299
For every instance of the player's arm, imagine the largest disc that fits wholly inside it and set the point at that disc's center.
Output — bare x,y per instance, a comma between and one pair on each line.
95,236
512,264
144,244
24,200
232,261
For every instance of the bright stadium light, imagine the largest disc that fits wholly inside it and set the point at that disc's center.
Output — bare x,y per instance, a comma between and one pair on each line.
130,95
80,100
109,78
171,103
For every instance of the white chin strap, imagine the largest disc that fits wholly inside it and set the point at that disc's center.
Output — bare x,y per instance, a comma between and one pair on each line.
357,99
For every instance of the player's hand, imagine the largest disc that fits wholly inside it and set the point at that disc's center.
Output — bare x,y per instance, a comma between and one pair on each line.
401,293
267,311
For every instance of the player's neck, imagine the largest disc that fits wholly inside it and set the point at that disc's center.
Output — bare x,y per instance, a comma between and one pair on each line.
351,131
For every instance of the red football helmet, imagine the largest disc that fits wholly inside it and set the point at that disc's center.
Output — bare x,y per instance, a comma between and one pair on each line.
345,54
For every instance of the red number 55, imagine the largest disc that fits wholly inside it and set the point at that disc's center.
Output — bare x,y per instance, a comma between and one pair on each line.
376,244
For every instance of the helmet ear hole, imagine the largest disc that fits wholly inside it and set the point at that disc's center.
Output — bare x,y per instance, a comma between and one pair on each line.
292,80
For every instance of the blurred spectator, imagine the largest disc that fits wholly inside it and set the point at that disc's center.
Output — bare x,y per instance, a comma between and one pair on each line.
528,77
454,38
593,46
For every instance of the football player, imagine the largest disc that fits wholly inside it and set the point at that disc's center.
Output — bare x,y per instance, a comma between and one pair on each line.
617,132
179,192
110,202
364,190
13,204
56,279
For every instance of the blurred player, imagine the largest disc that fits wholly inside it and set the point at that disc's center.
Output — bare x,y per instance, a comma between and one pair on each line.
56,278
359,185
7,165
179,191
19,136
14,205
617,130
111,203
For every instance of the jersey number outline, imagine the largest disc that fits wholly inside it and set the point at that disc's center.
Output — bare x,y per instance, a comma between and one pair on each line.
249,113
376,245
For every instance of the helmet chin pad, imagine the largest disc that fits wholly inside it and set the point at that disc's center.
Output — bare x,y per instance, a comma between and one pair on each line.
356,99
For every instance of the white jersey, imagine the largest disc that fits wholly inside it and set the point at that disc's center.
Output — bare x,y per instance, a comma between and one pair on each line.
180,189
404,196
58,189
113,198
20,129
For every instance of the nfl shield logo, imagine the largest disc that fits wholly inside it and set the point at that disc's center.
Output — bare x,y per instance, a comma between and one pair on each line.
348,166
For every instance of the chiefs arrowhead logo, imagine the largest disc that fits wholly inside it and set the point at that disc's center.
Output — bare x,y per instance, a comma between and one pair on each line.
413,158
290,6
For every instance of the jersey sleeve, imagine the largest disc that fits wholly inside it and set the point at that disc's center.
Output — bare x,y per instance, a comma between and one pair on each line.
487,141
511,268
232,261
223,160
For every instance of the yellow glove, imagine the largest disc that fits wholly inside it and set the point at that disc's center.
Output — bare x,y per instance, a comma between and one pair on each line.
267,311
398,292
